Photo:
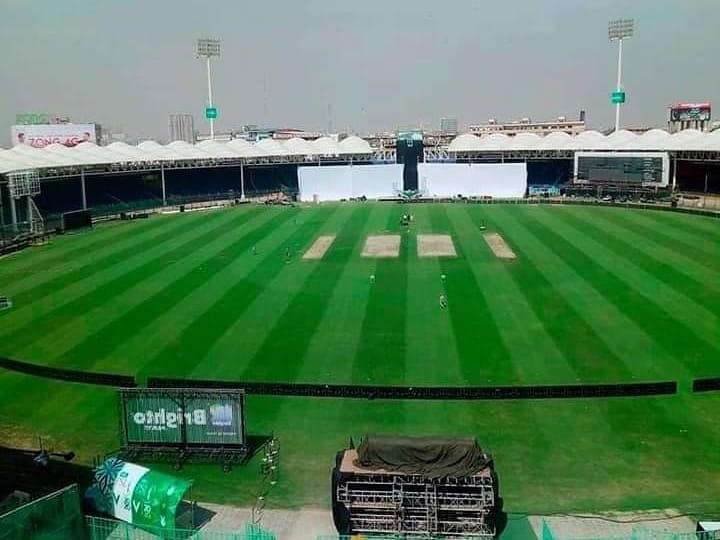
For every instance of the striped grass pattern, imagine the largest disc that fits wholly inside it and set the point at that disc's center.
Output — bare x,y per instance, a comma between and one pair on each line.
595,295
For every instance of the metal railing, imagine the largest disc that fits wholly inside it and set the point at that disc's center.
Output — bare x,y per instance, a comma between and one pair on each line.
109,529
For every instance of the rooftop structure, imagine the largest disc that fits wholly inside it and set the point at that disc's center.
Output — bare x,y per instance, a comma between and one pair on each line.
526,125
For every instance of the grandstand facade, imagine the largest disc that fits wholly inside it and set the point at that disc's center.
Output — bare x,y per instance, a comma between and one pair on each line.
119,175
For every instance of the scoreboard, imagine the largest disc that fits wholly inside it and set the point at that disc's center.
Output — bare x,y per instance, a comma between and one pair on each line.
623,167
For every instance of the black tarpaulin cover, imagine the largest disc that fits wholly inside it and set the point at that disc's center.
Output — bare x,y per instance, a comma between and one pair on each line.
434,457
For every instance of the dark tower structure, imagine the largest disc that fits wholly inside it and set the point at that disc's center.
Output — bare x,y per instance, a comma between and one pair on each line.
409,152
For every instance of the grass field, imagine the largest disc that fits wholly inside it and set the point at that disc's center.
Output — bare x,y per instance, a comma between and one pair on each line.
595,295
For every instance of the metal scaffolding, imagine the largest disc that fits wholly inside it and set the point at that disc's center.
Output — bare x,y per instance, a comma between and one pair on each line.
24,184
398,504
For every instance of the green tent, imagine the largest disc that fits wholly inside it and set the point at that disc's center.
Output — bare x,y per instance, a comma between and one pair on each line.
136,494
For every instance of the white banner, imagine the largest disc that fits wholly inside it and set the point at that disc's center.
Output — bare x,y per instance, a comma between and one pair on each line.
497,180
42,135
335,182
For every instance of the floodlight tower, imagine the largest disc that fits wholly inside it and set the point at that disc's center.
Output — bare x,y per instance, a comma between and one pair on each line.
208,48
618,30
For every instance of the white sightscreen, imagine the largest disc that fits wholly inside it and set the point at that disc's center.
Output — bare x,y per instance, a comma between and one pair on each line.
376,181
498,180
330,183
335,182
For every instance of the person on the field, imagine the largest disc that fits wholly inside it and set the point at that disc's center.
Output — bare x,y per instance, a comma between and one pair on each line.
443,301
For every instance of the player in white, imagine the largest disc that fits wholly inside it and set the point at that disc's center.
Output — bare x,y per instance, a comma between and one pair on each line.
443,301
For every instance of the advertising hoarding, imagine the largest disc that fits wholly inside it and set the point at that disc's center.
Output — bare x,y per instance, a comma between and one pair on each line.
179,417
42,135
685,112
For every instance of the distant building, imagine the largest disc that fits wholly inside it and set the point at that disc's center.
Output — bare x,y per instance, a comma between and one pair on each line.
110,136
182,128
571,127
449,125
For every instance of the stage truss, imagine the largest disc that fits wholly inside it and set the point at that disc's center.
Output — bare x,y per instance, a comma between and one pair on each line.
410,504
24,183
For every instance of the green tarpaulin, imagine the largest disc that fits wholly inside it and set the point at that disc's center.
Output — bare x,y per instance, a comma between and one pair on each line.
434,457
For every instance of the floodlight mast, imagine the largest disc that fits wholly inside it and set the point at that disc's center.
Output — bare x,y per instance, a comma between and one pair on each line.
618,30
208,48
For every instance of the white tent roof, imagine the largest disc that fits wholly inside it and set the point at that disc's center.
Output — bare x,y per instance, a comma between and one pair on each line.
300,147
653,140
150,152
647,141
97,154
219,150
496,141
327,146
245,149
467,142
272,147
689,139
711,141
158,151
188,151
554,141
523,141
354,145
67,155
587,140
129,153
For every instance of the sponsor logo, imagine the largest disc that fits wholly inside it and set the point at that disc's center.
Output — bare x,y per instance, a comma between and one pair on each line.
221,415
168,419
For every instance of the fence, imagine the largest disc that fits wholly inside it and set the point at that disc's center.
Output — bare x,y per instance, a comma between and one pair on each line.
641,533
109,529
380,537
651,534
57,516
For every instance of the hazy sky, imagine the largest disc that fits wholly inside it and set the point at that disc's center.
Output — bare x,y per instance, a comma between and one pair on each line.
373,64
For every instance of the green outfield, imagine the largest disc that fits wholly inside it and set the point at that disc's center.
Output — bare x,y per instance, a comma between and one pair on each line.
595,295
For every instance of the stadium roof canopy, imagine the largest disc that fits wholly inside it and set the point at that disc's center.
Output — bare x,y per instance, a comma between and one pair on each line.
182,154
689,140
58,160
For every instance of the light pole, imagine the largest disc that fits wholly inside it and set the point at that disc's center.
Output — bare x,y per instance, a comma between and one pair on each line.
618,30
208,48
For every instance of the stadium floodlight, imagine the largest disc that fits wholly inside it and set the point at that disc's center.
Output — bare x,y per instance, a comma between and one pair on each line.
618,30
209,48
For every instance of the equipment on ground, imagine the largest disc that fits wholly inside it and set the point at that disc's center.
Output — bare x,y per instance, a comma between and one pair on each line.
79,219
136,494
428,486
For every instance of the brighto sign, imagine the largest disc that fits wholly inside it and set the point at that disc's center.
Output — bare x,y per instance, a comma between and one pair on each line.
165,419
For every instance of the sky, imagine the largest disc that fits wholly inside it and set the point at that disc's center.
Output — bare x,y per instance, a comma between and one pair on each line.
354,66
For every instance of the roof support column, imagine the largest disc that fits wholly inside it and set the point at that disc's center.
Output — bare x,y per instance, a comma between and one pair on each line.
242,182
82,187
29,214
162,183
13,215
2,215
674,180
